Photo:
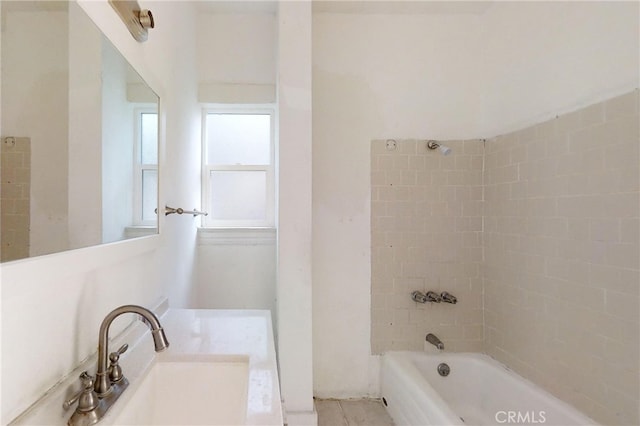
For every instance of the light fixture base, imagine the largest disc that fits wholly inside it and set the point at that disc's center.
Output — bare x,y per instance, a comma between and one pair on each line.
136,20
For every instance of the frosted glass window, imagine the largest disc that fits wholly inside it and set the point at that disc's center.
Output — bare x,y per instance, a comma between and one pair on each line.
238,195
240,139
238,166
149,138
149,194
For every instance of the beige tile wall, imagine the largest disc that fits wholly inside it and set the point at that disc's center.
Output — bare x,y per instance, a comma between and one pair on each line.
15,197
426,217
561,238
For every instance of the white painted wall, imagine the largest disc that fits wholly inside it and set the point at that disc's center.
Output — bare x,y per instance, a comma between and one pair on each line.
541,59
374,76
294,213
52,306
440,76
414,72
236,47
236,58
236,269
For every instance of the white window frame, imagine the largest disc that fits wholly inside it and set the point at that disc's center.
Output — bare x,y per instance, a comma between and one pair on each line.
242,109
139,168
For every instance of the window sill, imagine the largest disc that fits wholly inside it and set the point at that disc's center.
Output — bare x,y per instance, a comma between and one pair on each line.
236,236
140,231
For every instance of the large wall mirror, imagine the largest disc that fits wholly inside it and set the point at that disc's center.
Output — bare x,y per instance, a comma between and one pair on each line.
79,135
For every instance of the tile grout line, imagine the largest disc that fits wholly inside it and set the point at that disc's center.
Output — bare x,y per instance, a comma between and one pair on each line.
344,415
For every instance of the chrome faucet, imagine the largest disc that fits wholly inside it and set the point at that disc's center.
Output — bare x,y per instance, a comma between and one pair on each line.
433,339
103,384
95,399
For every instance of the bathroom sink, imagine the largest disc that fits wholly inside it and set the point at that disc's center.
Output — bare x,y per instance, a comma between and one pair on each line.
199,390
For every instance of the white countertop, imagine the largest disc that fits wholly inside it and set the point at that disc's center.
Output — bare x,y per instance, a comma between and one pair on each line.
228,332
190,332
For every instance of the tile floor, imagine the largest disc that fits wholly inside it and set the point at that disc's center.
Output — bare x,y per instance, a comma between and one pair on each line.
358,412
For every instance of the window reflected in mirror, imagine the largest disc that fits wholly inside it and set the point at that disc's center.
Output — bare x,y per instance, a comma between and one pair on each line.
146,197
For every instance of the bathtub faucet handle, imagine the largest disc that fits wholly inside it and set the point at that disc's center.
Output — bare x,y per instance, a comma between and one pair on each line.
448,297
432,296
418,296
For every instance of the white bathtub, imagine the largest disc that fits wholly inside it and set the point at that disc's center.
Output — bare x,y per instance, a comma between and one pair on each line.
478,391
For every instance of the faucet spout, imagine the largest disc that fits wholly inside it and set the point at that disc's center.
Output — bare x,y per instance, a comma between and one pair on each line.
103,385
435,341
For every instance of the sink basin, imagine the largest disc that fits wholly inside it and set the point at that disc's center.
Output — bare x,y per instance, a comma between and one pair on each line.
209,390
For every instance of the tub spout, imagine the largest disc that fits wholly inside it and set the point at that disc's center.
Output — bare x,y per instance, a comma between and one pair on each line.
433,339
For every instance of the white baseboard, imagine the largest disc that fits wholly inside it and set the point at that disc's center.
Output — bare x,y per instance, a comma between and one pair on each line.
301,418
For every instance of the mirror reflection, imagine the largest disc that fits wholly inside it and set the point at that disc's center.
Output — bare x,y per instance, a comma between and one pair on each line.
79,135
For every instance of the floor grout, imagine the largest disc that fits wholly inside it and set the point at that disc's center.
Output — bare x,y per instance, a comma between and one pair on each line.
352,412
344,415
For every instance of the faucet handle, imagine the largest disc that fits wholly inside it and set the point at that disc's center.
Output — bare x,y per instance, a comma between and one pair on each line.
87,398
432,296
448,297
119,352
418,296
115,371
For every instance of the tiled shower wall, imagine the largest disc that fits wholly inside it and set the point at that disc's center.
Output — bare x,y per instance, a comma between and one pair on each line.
426,218
15,197
554,246
561,280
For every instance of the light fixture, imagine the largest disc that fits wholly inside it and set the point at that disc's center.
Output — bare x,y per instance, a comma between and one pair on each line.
136,20
445,150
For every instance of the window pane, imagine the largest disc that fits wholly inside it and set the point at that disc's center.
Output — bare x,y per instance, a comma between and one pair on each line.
149,194
239,139
149,137
238,195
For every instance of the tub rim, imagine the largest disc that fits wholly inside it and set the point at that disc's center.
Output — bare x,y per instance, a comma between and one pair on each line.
406,358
